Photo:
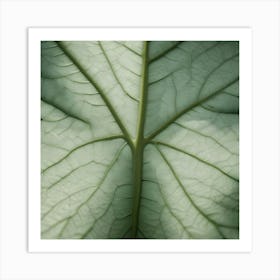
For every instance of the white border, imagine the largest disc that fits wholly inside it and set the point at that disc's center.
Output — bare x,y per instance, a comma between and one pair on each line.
36,35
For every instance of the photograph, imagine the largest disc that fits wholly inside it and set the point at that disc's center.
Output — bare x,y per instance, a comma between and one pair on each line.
139,139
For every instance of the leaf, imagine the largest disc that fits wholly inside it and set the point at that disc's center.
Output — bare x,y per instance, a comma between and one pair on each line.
140,140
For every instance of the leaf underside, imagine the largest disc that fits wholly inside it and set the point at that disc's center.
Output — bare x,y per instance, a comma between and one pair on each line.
140,140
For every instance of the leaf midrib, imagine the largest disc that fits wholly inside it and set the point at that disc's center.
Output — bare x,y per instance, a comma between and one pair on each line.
138,150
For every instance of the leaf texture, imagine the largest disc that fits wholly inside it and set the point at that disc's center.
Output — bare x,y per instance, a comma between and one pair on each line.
140,140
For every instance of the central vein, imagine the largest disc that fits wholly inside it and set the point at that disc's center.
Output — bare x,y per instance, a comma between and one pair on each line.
138,149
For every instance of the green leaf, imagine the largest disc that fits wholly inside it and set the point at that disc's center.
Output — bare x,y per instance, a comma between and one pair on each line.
140,140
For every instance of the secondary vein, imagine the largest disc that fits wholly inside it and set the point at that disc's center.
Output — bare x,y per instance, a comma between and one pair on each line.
100,91
192,106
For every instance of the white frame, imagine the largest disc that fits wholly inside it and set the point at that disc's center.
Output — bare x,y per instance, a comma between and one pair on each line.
243,35
262,262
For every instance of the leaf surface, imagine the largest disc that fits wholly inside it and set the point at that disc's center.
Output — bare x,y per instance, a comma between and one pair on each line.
140,140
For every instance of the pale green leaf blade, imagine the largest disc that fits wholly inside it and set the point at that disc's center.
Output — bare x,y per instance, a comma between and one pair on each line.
79,143
191,171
